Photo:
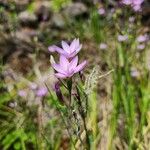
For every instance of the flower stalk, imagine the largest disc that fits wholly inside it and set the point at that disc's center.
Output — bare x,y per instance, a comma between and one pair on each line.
65,71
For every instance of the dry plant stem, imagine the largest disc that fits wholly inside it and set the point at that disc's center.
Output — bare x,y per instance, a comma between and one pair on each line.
79,136
106,74
86,131
84,121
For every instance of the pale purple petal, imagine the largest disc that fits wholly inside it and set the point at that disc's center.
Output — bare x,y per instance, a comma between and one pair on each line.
137,7
42,91
79,48
58,68
64,62
55,48
73,45
22,93
122,38
65,46
127,2
80,67
138,2
73,63
60,50
33,86
77,42
52,48
75,52
141,46
101,11
142,38
135,72
59,75
72,54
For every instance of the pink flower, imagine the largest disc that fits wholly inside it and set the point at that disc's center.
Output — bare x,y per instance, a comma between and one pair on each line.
122,38
52,48
134,72
101,11
127,2
135,4
69,51
66,69
137,7
42,91
142,38
22,93
140,46
103,46
33,86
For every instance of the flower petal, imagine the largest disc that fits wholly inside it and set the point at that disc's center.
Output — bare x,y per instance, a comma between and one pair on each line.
73,63
80,67
137,2
73,45
58,68
64,62
59,75
77,42
54,48
65,46
79,48
75,52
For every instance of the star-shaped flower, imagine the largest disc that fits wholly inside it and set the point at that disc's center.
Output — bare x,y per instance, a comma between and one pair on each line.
66,69
69,51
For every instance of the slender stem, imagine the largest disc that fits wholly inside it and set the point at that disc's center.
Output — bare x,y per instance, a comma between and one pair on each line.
86,132
63,84
68,130
69,85
63,121
83,119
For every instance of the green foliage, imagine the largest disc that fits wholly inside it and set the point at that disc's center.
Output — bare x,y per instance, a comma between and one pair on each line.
97,24
58,4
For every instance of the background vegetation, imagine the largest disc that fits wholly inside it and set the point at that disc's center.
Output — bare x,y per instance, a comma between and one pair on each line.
116,45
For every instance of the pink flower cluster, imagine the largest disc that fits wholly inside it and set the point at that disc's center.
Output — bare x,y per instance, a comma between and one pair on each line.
135,4
68,62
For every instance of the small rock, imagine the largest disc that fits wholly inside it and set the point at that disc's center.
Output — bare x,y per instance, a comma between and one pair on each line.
28,19
58,20
75,9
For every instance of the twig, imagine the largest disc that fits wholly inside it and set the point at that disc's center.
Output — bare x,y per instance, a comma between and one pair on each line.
104,75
